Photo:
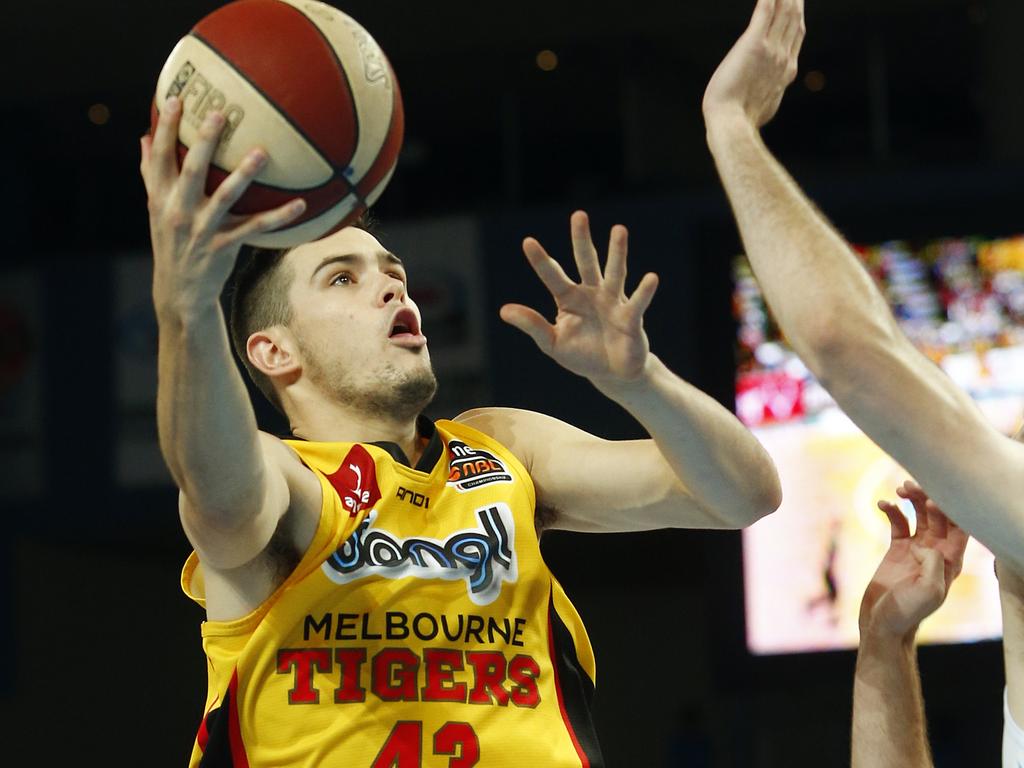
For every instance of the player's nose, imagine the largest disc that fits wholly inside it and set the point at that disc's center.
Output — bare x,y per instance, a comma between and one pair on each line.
392,289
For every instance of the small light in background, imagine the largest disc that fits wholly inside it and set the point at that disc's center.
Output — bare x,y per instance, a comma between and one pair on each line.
547,60
99,114
815,81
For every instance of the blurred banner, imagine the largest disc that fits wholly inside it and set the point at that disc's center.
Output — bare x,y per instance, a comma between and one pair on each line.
961,301
21,431
138,461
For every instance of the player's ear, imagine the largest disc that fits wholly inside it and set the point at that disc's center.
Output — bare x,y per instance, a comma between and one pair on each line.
273,352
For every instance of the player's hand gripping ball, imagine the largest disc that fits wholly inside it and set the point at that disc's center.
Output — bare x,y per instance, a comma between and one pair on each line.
306,83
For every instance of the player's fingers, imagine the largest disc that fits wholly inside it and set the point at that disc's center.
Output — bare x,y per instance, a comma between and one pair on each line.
261,222
642,296
233,187
530,322
163,165
548,270
899,528
615,267
192,185
583,249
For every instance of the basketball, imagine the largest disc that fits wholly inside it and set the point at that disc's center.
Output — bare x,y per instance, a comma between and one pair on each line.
306,83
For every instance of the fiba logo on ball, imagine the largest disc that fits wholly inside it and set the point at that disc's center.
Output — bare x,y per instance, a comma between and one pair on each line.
307,84
198,97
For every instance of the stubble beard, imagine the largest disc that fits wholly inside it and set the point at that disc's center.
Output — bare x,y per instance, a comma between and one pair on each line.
396,395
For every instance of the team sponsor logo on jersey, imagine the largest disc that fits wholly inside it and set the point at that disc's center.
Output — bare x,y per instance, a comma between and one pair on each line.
484,557
471,467
356,481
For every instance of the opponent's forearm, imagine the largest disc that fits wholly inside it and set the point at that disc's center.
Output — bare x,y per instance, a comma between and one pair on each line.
207,427
889,728
814,283
1011,602
718,460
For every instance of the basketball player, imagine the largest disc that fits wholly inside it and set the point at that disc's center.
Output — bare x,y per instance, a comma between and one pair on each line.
910,584
374,588
831,312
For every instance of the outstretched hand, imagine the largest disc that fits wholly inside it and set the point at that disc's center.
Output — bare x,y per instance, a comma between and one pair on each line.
598,331
915,575
753,76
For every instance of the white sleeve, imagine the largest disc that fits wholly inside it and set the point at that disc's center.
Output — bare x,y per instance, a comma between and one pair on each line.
1013,739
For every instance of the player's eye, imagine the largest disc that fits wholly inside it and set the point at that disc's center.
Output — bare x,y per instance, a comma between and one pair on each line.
342,278
398,276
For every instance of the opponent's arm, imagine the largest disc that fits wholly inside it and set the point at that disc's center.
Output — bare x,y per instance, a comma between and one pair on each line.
702,468
233,488
832,313
1011,602
911,582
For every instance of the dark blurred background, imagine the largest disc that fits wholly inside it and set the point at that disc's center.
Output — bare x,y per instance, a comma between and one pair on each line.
906,120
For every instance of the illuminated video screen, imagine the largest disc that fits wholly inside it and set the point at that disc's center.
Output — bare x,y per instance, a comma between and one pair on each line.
961,301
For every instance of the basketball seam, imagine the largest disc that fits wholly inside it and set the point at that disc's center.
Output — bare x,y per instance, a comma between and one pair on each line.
284,115
344,74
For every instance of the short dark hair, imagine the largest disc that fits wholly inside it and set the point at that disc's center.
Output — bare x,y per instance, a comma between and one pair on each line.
259,300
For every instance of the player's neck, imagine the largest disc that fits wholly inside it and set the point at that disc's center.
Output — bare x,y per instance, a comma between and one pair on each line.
344,425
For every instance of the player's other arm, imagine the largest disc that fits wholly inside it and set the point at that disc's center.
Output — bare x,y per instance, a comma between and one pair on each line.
232,478
911,582
702,468
831,311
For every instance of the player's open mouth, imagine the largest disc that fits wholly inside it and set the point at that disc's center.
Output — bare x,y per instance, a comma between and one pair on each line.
405,329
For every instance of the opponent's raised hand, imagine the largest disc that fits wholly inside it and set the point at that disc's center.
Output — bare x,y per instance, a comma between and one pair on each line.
753,76
598,331
915,575
195,238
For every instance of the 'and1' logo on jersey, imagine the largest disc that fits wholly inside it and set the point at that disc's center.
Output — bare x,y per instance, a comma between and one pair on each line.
471,468
356,481
484,556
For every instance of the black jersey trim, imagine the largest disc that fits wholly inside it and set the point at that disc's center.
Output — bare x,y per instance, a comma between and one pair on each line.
424,428
217,753
576,686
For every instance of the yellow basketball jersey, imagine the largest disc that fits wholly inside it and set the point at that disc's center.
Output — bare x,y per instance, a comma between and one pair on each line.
420,629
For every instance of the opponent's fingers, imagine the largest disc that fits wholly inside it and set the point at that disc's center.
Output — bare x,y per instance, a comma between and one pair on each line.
583,249
261,222
799,32
192,183
615,267
163,162
764,13
933,568
233,187
532,323
782,22
548,270
899,528
937,523
642,296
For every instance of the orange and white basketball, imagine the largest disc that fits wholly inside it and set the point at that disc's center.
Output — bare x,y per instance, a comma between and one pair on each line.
308,84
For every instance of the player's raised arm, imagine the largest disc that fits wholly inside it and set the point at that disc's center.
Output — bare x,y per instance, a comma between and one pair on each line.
232,494
701,469
910,584
830,310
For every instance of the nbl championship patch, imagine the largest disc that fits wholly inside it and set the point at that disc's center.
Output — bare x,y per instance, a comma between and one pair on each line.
471,467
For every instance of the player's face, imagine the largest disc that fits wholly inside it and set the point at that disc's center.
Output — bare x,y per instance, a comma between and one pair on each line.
359,334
